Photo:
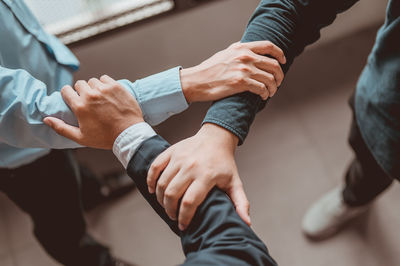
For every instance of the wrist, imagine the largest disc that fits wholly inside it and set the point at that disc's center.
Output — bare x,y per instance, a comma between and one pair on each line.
219,134
118,129
191,85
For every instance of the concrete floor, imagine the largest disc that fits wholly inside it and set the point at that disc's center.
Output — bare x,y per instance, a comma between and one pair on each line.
294,153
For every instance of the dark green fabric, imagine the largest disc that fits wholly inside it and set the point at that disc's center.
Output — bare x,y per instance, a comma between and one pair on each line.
378,95
365,179
289,24
292,25
217,235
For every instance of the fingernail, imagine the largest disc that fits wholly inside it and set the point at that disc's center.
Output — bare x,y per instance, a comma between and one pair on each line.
151,190
181,227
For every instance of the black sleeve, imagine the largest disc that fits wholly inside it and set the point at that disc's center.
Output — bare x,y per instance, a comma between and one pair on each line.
289,24
216,235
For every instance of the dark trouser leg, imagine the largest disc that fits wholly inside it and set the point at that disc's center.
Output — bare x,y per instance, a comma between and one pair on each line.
365,179
217,235
48,190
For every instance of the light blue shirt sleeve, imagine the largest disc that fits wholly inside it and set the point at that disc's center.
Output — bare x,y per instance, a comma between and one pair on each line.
24,103
159,96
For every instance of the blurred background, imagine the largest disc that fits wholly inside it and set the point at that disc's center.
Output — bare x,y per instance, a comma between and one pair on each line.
296,151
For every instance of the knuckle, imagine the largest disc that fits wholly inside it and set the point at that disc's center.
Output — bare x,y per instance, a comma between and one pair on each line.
162,185
245,57
108,88
184,222
79,82
192,164
275,64
263,88
270,78
209,176
64,88
188,203
170,195
155,166
79,107
63,91
92,95
238,80
244,69
269,45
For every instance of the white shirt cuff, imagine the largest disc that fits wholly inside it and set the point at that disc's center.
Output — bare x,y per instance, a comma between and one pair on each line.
129,140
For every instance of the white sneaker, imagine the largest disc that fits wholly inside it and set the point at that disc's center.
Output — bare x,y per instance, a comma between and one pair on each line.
327,216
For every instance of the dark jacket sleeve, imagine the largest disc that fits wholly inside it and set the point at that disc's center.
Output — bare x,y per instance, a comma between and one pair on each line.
216,235
289,24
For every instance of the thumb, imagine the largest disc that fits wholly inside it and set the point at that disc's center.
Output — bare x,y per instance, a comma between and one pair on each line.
239,199
63,129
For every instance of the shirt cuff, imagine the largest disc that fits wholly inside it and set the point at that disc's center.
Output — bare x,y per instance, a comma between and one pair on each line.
161,96
129,140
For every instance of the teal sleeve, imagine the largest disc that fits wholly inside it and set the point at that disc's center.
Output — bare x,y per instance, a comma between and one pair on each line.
289,24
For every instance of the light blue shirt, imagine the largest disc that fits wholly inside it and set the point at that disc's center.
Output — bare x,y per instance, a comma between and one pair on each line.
34,66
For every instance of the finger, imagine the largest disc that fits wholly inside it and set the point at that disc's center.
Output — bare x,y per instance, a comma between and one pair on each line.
194,196
258,88
81,87
272,66
165,178
95,83
267,79
63,129
71,98
240,201
267,48
107,79
156,168
174,193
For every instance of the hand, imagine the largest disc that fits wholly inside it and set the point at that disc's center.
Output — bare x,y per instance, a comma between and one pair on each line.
104,108
241,67
191,168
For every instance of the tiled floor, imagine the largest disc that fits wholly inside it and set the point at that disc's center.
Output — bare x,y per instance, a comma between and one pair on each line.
295,152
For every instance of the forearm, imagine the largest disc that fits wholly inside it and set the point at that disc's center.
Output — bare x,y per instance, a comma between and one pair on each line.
291,25
210,239
23,104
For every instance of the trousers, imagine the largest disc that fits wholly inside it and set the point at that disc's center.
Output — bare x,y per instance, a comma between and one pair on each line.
365,179
48,190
